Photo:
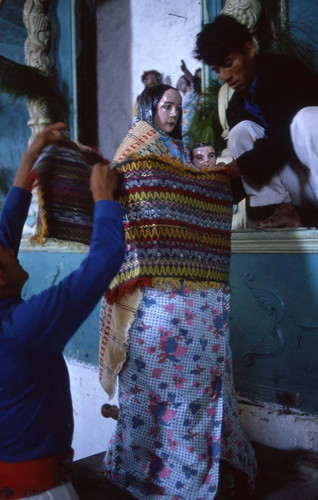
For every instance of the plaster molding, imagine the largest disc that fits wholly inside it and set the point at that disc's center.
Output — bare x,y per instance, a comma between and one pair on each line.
274,241
273,426
53,246
273,303
285,241
36,50
246,12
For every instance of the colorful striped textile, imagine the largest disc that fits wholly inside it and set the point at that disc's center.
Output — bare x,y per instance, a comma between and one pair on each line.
142,139
66,203
177,226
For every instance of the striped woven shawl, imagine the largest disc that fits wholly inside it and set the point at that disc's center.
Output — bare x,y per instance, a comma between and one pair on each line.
177,234
66,203
177,226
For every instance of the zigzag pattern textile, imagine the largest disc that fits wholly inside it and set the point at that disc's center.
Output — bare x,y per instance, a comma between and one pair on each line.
65,199
177,226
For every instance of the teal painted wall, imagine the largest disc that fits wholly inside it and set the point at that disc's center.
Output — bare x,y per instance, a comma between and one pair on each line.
274,328
274,323
48,268
13,113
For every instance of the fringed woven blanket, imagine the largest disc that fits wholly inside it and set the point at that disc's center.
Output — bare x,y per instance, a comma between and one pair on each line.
66,203
177,234
177,226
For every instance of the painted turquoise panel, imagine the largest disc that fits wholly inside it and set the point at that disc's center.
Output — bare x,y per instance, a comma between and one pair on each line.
13,113
274,328
214,8
48,268
63,40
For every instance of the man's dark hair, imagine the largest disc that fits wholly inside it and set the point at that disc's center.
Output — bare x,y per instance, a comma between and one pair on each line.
200,145
147,107
156,76
218,39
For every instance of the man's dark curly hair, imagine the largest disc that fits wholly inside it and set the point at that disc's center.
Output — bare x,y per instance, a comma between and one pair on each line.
156,76
218,39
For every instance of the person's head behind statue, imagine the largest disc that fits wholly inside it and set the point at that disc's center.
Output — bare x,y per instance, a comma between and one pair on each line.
203,155
183,84
12,274
227,47
151,78
161,106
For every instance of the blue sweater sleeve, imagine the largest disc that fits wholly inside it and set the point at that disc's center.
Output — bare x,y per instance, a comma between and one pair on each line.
48,320
13,217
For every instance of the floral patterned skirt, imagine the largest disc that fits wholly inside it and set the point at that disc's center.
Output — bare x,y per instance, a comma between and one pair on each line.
178,409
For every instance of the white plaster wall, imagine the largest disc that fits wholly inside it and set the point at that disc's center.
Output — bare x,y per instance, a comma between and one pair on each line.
134,36
163,33
268,424
114,95
92,431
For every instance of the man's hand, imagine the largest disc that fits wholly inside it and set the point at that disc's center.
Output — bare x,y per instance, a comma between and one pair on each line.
233,169
51,135
103,182
186,72
183,66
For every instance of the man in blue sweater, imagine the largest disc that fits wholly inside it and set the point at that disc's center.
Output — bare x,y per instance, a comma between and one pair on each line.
36,417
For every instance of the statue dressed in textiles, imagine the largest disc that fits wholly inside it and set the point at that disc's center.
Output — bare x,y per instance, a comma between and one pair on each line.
165,317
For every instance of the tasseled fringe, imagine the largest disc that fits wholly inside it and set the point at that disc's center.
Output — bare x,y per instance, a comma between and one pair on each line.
174,284
114,339
180,284
118,293
41,238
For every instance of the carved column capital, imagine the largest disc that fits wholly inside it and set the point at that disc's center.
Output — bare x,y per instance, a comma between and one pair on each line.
36,50
246,12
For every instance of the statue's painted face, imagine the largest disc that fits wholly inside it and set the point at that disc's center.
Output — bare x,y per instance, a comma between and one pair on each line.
168,109
204,157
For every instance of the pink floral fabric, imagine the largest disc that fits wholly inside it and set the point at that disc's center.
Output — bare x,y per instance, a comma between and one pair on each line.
178,410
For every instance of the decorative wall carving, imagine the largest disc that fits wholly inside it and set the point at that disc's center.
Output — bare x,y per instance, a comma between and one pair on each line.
273,303
36,51
245,11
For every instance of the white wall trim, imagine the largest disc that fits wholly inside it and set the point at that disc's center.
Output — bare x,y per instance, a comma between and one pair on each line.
300,240
270,425
243,241
53,246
